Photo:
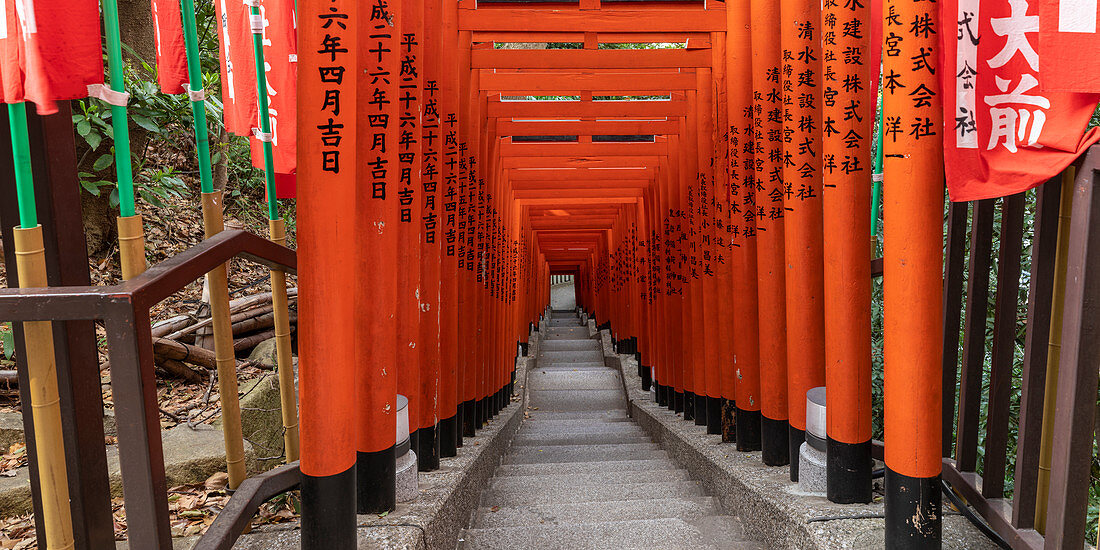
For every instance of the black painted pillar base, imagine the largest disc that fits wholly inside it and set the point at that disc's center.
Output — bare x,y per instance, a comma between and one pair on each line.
913,519
427,454
647,376
689,405
677,403
795,439
661,394
459,426
448,437
748,430
714,415
774,434
482,412
375,481
469,418
328,511
848,468
701,410
728,420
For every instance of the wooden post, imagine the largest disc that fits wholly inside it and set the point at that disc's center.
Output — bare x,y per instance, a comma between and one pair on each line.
378,370
768,110
847,122
327,338
912,285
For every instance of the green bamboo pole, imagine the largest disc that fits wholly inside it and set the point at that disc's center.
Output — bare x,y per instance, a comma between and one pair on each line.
21,153
30,262
198,107
277,230
119,117
876,176
131,234
217,280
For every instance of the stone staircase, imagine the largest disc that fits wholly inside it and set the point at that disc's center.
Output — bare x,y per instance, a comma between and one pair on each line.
581,474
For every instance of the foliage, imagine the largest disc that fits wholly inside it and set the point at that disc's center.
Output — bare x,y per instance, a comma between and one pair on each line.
7,341
164,160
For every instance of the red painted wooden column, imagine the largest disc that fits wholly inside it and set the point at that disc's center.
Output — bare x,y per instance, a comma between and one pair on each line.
407,196
743,149
447,104
768,109
377,294
912,284
707,263
327,217
847,123
800,37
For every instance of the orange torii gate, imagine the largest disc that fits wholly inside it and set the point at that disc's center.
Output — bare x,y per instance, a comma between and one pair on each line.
681,186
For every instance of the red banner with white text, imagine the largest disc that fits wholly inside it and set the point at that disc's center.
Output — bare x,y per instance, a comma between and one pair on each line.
171,53
281,63
238,67
49,50
1004,131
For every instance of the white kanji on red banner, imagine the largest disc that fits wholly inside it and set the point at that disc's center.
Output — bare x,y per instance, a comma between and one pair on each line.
280,31
1005,131
44,63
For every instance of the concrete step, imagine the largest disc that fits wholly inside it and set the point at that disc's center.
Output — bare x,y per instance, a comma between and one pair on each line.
570,344
592,493
555,332
564,322
576,400
607,379
544,429
582,356
545,366
687,509
538,484
639,464
535,435
545,440
648,534
563,313
618,415
566,453
537,424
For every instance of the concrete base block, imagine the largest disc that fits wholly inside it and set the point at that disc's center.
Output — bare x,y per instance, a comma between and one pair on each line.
407,478
811,470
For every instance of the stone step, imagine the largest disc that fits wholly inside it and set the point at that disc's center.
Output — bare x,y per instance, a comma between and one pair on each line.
533,435
564,322
563,313
555,332
618,415
583,356
648,534
539,484
583,380
687,509
576,400
571,344
566,453
547,367
592,493
528,440
640,464
538,429
538,424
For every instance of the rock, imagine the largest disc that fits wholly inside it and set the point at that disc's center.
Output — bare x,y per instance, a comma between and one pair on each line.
264,354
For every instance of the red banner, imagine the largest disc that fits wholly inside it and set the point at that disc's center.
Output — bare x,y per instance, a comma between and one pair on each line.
171,53
238,66
46,62
1004,132
281,63
1070,26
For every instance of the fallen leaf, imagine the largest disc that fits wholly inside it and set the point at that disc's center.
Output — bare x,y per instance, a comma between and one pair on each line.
217,482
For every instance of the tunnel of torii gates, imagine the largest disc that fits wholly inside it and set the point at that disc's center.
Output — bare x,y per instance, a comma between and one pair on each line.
691,191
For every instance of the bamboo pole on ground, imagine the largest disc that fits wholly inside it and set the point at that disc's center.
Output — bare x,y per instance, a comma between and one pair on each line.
218,279
1054,351
30,255
277,233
